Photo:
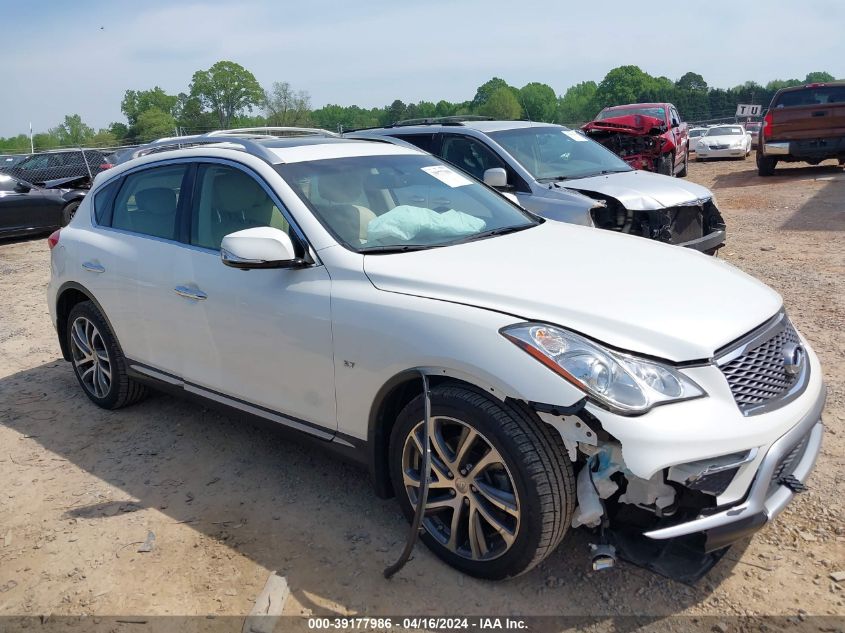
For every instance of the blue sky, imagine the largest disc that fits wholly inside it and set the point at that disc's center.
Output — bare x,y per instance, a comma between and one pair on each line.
57,60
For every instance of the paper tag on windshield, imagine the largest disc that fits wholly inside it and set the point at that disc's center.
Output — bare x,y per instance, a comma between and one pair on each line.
447,176
575,136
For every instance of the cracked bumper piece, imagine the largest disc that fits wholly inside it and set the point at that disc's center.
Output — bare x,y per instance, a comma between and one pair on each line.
785,468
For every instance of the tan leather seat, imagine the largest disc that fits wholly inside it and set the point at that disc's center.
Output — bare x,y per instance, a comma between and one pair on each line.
350,221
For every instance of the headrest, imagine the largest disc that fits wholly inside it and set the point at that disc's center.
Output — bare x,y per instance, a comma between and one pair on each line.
156,200
235,191
340,187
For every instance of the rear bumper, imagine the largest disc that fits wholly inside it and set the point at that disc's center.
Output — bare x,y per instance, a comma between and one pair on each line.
766,498
813,148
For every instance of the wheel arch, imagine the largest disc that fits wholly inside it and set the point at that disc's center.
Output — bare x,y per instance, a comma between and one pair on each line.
70,294
393,396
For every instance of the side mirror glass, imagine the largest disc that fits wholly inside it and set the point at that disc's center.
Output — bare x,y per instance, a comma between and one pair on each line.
496,177
260,247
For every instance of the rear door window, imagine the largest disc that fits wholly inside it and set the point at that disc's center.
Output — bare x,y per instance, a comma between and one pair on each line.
148,201
424,141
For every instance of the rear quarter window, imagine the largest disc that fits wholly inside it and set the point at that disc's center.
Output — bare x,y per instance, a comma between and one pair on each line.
104,202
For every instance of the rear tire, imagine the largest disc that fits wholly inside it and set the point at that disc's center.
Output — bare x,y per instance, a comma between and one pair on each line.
69,211
530,475
98,362
766,164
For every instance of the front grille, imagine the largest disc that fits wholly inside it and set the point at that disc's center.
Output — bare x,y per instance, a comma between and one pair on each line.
685,223
759,375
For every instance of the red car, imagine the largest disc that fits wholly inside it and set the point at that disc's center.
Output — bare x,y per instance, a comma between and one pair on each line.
648,136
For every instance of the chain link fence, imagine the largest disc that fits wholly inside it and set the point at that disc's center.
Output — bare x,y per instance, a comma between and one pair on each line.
72,167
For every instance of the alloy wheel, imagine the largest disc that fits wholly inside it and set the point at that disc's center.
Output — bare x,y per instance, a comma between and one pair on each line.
90,357
472,507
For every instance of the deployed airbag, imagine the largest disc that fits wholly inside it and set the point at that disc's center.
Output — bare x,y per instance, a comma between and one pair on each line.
420,225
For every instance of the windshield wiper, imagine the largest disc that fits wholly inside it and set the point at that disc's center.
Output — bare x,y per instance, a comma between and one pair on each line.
396,248
500,231
553,179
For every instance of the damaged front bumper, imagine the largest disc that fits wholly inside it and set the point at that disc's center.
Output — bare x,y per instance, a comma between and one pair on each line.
783,471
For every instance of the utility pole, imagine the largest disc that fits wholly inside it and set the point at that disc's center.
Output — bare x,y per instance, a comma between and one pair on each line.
31,144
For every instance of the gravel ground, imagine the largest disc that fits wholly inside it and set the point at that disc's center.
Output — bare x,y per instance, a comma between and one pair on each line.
229,502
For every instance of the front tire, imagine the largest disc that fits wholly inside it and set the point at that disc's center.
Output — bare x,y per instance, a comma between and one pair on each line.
666,164
501,492
98,361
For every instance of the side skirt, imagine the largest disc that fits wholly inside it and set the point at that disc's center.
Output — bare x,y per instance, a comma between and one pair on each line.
348,448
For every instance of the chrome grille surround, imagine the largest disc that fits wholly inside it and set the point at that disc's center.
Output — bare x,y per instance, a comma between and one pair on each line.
755,369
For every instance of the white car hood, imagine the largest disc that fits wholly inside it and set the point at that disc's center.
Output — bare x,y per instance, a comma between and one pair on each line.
642,190
722,140
629,292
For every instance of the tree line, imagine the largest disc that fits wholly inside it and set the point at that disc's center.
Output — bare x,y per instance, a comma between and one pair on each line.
228,95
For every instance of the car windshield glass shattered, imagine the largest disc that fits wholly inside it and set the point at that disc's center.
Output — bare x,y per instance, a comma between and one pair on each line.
724,131
554,153
390,203
657,113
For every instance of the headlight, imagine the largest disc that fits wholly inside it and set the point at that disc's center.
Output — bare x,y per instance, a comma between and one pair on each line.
622,383
737,143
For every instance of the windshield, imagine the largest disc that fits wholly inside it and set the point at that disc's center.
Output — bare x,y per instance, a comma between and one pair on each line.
657,113
725,131
395,203
555,153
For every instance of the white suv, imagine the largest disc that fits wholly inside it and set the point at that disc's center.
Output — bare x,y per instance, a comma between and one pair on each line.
313,281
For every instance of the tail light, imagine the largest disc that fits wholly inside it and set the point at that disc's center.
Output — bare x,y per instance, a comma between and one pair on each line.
767,125
106,166
53,239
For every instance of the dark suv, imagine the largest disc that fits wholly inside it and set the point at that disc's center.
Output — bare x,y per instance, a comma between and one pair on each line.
75,164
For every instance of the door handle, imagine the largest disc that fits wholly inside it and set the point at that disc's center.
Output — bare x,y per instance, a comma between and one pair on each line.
188,293
820,113
93,267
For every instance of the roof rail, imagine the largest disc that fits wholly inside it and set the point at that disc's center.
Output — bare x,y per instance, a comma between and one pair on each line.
442,120
270,131
233,142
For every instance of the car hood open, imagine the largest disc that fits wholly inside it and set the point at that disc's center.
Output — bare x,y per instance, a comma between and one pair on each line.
642,190
629,292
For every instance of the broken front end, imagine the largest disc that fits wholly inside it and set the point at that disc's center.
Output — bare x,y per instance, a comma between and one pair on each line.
697,225
637,139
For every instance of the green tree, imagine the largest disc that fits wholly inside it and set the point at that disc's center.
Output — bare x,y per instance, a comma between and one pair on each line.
692,82
485,92
227,89
501,104
539,101
818,76
136,102
153,124
285,106
73,131
622,85
578,104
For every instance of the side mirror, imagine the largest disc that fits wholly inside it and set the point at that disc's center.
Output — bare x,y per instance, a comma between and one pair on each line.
260,247
22,187
496,177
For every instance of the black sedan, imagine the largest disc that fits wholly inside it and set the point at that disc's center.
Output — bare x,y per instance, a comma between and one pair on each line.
26,208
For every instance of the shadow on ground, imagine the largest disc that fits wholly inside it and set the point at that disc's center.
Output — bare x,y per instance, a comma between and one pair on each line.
298,510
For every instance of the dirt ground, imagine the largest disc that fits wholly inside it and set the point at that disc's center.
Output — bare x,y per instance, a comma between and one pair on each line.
228,502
